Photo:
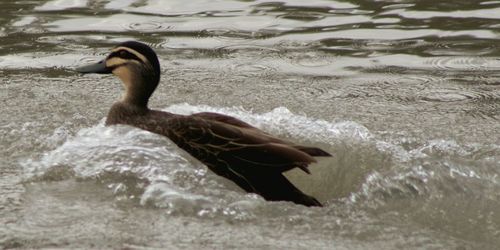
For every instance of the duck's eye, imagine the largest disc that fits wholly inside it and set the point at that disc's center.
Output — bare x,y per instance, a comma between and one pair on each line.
127,55
123,54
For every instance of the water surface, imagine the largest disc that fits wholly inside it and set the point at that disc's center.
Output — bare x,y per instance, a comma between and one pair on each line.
404,94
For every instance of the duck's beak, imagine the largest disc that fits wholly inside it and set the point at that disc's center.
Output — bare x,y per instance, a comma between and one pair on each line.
99,68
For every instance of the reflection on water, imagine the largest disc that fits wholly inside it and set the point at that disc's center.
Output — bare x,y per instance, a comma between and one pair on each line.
404,94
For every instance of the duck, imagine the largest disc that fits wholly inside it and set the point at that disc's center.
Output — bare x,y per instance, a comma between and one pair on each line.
251,158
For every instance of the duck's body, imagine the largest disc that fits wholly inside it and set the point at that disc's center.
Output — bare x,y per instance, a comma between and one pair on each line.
231,148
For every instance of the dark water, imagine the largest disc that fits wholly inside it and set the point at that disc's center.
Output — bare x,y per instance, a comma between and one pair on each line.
404,94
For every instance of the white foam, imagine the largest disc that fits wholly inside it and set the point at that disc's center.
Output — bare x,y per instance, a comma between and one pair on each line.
282,121
172,179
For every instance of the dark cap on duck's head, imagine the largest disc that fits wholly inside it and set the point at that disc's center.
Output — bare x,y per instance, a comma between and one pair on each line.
139,48
136,64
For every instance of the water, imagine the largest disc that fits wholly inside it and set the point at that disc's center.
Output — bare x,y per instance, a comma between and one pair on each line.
404,94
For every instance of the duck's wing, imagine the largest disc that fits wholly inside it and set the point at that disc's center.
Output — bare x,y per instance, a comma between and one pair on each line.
249,129
223,118
234,145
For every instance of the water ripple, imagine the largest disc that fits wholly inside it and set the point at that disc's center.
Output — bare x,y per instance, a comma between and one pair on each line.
490,13
146,26
447,96
459,63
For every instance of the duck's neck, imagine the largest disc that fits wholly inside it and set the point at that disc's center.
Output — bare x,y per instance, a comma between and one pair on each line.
126,113
138,87
136,97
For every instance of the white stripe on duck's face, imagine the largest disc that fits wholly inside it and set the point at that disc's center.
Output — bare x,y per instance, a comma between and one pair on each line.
128,53
122,55
115,62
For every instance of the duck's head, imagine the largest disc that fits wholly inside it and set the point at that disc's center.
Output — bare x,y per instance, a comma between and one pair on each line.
137,66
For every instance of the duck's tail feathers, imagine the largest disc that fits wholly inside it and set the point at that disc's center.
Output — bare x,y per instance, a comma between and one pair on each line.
312,151
276,187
